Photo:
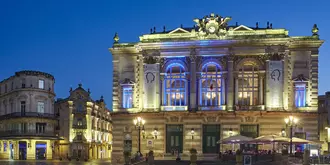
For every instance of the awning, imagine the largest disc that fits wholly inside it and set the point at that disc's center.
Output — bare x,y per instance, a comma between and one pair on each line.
235,139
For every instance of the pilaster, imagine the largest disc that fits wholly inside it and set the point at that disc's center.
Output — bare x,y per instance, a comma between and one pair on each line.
230,84
193,81
268,94
313,77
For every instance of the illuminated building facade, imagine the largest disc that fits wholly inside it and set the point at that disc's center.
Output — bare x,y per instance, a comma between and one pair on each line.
195,86
85,126
27,118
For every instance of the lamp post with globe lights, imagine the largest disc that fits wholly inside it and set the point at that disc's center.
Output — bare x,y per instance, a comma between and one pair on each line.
139,124
291,122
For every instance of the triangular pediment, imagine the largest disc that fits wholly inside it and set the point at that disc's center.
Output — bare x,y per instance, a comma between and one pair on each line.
242,28
127,81
300,78
179,30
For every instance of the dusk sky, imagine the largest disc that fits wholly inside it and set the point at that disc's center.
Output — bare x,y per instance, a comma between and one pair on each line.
70,39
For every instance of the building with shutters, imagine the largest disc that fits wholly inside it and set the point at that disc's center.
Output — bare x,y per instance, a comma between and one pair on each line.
194,86
84,126
27,118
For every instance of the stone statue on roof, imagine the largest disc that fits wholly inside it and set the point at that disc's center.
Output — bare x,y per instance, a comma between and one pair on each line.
212,24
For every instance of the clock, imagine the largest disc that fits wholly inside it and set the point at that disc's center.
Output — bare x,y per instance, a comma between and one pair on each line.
212,29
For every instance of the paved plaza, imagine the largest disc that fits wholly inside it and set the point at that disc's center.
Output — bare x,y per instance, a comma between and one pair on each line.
157,162
53,162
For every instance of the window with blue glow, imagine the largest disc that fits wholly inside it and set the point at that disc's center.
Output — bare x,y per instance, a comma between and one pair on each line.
300,95
175,86
248,85
210,84
127,97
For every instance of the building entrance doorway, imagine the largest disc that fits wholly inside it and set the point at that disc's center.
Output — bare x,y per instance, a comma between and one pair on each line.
41,150
174,138
22,150
211,135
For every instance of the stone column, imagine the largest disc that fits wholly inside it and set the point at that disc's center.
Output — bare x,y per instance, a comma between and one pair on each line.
223,89
161,91
261,88
230,84
151,86
193,86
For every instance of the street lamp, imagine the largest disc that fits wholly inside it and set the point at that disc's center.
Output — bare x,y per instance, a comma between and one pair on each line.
139,124
291,122
192,133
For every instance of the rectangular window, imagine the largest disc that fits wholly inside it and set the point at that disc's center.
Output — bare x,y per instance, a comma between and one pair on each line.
79,107
300,95
23,108
79,136
41,84
41,107
23,83
11,107
127,97
4,146
6,108
40,127
79,122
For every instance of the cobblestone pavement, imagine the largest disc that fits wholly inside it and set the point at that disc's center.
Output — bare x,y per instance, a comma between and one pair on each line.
52,162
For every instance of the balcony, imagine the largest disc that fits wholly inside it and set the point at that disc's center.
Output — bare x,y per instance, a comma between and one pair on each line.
26,133
76,126
249,107
28,114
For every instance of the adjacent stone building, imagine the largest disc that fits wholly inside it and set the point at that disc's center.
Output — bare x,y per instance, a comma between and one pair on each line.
195,86
27,118
85,125
324,116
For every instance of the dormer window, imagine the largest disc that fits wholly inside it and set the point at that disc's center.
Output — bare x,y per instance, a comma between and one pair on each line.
79,107
41,84
23,83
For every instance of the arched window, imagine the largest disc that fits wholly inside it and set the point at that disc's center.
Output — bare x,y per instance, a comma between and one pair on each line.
248,84
175,86
211,85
